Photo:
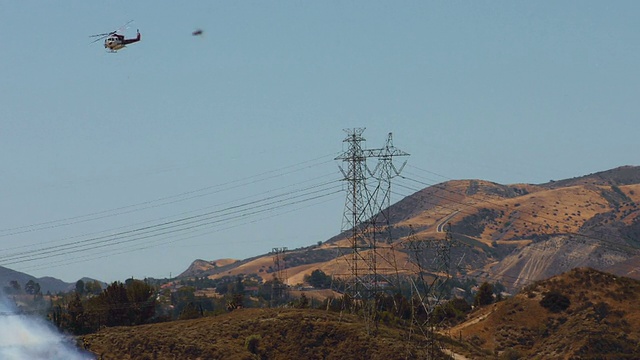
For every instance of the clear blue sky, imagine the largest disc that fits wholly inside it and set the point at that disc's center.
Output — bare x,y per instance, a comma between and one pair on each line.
507,91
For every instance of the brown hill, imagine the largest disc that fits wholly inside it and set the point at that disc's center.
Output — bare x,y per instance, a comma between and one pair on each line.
298,263
277,334
623,175
582,314
203,267
515,234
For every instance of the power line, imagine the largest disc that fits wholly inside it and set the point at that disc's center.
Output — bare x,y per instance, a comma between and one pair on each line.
171,239
170,226
155,230
119,211
165,218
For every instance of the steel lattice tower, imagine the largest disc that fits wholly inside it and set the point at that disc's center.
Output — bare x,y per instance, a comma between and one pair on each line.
356,211
366,218
279,286
385,171
430,289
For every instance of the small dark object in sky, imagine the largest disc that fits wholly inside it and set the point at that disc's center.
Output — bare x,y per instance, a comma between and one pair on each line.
197,32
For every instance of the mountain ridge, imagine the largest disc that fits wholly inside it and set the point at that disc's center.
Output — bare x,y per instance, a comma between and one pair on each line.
47,283
591,220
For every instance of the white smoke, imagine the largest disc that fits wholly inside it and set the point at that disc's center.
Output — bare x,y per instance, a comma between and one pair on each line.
25,337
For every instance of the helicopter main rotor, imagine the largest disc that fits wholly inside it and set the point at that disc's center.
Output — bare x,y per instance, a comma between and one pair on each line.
105,35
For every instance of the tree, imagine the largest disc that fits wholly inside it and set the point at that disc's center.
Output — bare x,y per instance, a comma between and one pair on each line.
56,315
460,305
182,298
80,287
191,311
95,312
236,295
236,301
222,288
120,305
239,287
484,295
93,287
498,288
75,312
117,304
318,279
141,300
452,311
32,287
303,302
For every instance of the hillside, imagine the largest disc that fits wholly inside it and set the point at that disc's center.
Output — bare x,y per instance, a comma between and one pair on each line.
581,314
594,315
515,234
279,333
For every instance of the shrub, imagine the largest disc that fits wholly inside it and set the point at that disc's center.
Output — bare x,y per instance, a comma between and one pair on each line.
510,354
555,302
601,311
252,342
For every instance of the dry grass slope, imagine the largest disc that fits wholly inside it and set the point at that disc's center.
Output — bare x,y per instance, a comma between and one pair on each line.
602,320
519,233
276,333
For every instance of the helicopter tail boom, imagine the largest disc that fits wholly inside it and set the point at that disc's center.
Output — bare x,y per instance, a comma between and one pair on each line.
130,41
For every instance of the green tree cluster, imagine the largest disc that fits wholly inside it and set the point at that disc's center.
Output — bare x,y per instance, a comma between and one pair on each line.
484,296
318,279
119,304
452,311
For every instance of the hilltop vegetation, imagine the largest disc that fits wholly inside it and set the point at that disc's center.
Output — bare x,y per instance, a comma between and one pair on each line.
258,334
582,314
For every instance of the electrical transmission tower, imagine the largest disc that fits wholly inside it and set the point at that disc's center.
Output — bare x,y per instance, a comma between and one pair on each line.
279,286
366,217
431,286
384,251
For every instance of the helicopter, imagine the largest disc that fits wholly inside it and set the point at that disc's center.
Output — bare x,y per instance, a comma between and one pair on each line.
114,41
